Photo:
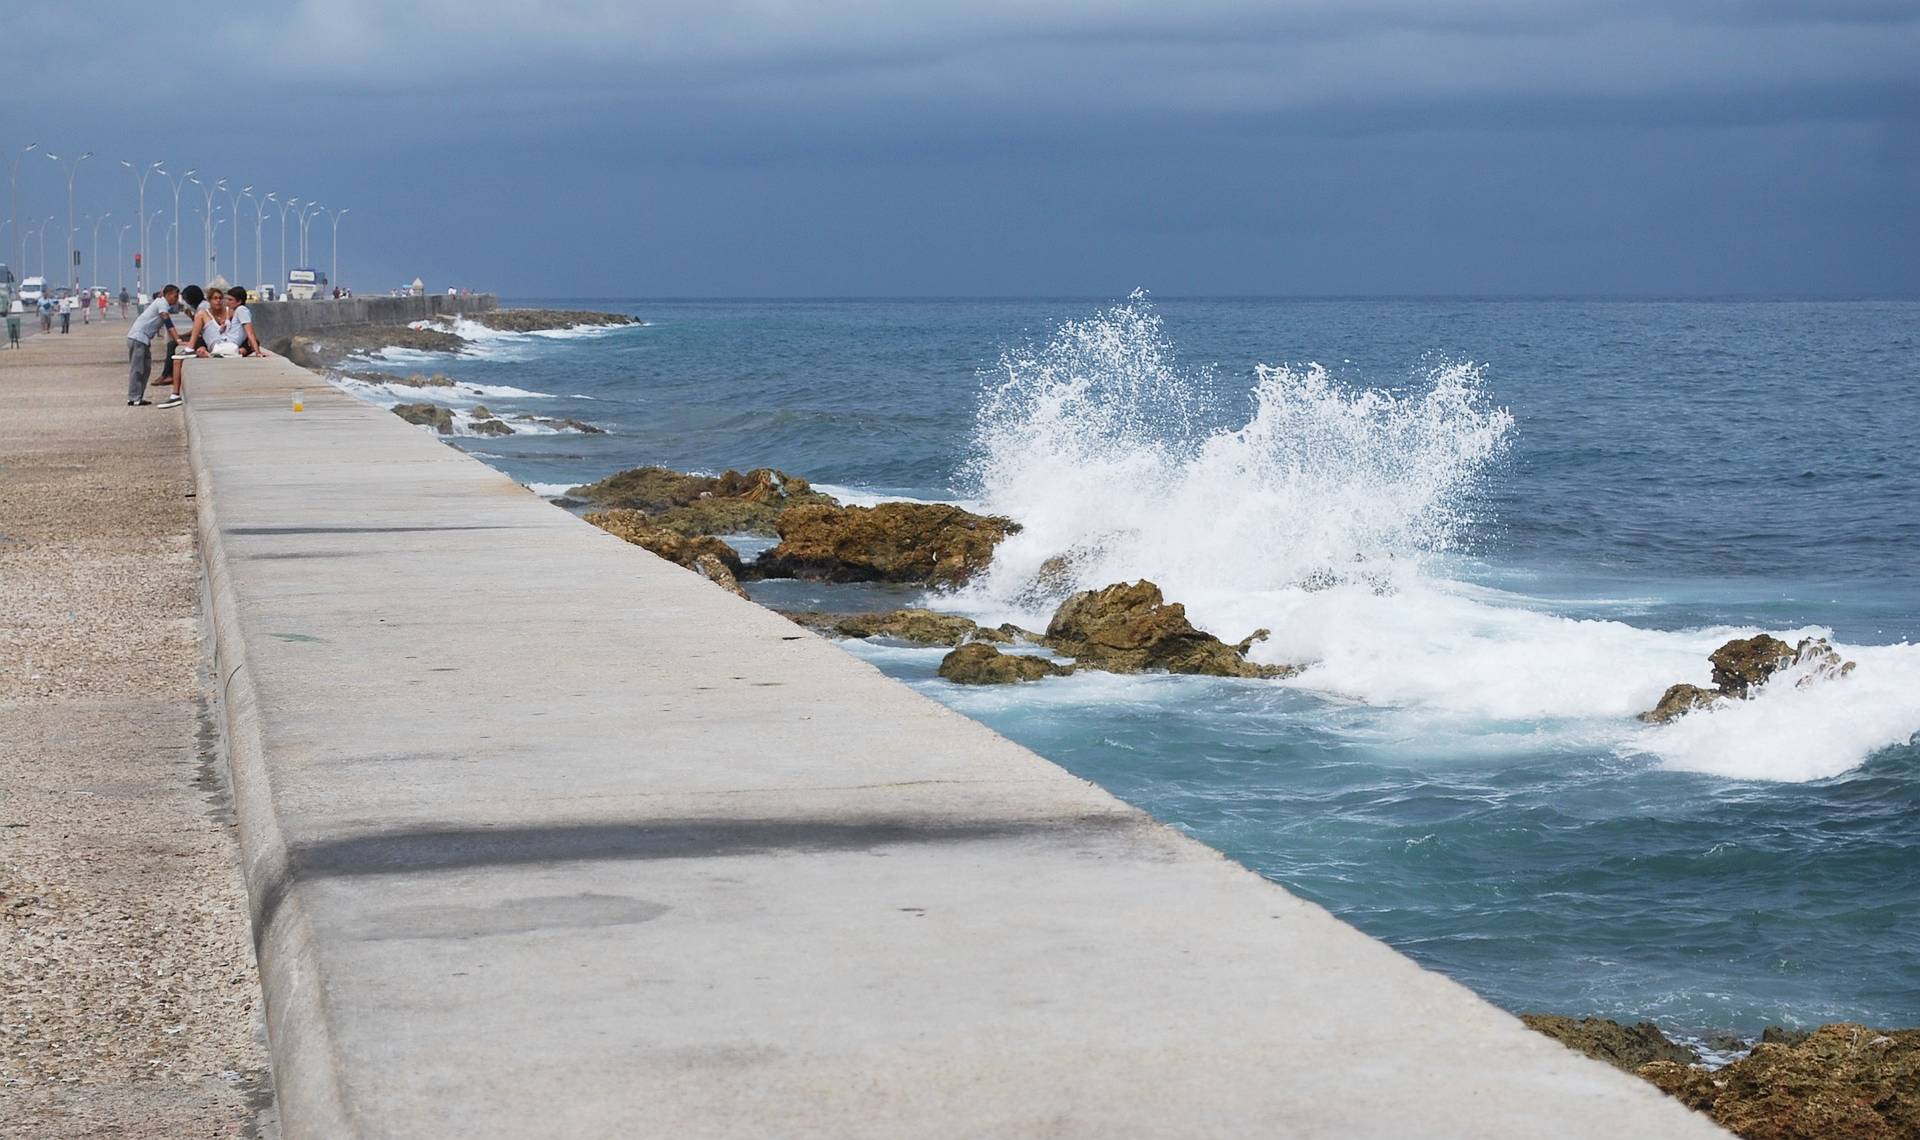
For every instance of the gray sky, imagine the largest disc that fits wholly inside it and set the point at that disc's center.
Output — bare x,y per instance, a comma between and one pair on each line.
755,148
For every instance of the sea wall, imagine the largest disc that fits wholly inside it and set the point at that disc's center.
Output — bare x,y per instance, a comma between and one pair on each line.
276,322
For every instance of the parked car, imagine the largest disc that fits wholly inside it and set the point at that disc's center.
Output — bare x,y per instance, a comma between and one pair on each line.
32,290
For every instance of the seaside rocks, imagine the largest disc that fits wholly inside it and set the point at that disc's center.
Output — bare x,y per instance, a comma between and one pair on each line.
328,347
1842,1082
710,567
1744,665
977,663
1129,628
435,416
538,320
483,422
1623,1046
729,503
686,550
922,627
927,543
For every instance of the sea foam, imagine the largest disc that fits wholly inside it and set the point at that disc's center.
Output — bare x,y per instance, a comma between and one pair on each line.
1330,514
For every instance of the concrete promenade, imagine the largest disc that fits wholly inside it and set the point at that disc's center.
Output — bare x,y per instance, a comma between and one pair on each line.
545,836
128,996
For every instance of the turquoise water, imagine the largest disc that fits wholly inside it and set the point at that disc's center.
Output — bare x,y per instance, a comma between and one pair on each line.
1494,530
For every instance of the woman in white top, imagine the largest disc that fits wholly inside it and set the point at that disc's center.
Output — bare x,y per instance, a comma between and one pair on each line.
211,326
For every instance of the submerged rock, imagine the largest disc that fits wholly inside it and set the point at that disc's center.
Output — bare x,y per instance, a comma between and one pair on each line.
325,348
925,543
480,421
977,663
1129,628
1841,1082
539,320
1623,1046
923,627
435,416
567,423
730,503
1679,700
686,550
1744,665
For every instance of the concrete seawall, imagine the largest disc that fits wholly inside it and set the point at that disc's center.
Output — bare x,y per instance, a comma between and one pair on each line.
276,322
545,836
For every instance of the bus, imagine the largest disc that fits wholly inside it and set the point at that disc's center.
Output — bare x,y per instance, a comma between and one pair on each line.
303,284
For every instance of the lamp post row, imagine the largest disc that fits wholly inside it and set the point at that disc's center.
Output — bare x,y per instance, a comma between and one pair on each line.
305,211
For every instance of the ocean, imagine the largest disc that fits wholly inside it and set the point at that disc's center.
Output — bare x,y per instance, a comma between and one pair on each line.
1494,530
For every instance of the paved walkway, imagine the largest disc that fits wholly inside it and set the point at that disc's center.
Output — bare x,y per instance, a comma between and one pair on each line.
128,994
548,837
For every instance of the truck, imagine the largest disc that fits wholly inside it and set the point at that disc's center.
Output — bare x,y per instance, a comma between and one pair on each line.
32,289
303,284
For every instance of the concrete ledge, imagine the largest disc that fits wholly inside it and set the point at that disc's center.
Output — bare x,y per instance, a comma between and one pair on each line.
548,837
277,322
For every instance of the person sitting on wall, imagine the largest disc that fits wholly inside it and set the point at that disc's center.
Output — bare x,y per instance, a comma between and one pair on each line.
195,300
242,320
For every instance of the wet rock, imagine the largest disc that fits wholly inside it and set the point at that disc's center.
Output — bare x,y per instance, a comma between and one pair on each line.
418,380
1129,628
1781,1035
480,421
926,543
977,663
637,528
326,348
539,320
1841,1082
1622,1046
730,503
565,424
714,570
1745,664
923,627
435,416
1679,700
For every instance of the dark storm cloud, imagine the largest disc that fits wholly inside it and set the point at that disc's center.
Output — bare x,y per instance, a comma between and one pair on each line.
755,147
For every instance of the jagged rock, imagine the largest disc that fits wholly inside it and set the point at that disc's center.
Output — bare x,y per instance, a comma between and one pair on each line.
924,627
716,571
418,380
480,412
325,348
538,320
435,416
1744,665
1679,700
635,527
1128,628
1781,1035
483,422
977,663
1841,1082
731,503
927,543
1623,1046
566,424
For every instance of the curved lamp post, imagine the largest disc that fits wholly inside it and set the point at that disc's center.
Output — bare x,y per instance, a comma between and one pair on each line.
120,259
96,246
334,216
173,259
140,175
13,206
73,252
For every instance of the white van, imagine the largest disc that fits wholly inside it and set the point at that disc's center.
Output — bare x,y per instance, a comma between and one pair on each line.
302,284
32,289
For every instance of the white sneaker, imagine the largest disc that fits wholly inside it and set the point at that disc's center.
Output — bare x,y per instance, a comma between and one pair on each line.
172,402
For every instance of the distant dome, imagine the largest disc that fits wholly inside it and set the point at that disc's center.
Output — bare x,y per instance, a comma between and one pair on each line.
219,283
419,284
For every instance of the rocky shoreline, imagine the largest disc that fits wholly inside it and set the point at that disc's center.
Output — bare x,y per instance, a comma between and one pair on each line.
1843,1080
1839,1082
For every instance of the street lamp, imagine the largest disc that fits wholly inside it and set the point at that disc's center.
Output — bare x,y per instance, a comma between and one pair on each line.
259,270
144,227
140,175
13,205
305,218
120,259
283,236
43,244
233,203
73,254
334,216
25,269
207,231
173,260
96,246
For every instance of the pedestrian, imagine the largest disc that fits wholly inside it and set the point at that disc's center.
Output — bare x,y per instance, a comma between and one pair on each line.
123,302
100,296
195,301
66,314
84,302
46,313
155,319
14,312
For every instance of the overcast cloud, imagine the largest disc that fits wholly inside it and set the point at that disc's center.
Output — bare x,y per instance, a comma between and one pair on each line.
868,148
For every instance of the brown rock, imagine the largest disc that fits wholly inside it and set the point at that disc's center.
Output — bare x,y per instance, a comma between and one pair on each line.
1745,664
435,416
731,503
927,543
536,320
1129,628
635,527
1842,1082
924,627
716,571
1622,1046
977,663
1679,700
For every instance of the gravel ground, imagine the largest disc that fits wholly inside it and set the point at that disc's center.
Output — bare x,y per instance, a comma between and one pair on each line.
129,1001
